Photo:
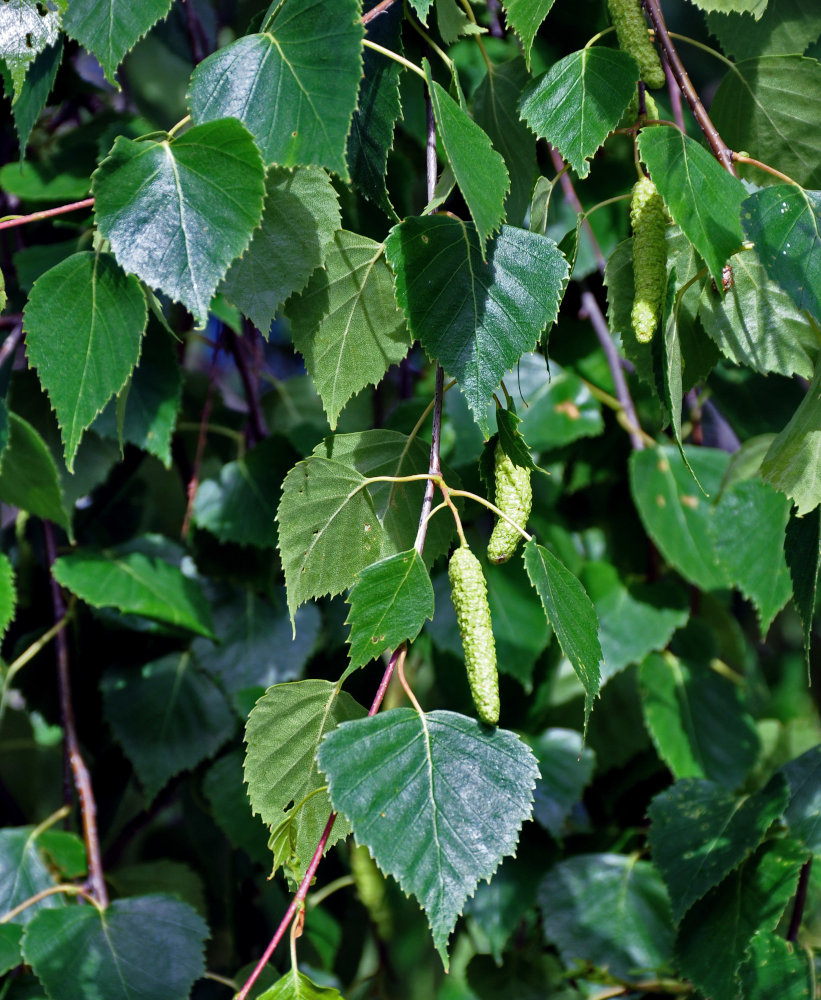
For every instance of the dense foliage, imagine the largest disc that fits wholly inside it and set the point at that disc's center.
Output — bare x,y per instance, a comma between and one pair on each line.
302,305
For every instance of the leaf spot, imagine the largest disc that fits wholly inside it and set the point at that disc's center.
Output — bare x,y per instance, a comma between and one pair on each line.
689,501
660,500
569,408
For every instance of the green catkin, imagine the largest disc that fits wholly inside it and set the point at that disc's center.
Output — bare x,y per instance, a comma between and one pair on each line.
469,595
631,28
514,497
649,221
631,115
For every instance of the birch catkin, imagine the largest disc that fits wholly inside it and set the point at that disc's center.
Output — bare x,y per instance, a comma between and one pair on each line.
631,29
649,221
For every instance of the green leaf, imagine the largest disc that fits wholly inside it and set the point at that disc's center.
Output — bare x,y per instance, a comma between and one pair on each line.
696,720
754,7
240,506
110,28
10,953
135,584
173,878
224,788
178,704
177,212
34,93
520,627
299,220
295,985
776,967
346,323
803,814
525,17
793,463
421,7
479,170
673,511
84,321
566,767
802,547
579,101
475,317
502,906
26,29
748,526
610,910
634,618
700,832
459,792
785,26
65,852
511,439
495,109
8,594
715,934
756,323
571,615
294,86
765,105
783,221
702,197
378,107
389,604
45,181
28,474
129,951
560,409
453,22
24,873
283,733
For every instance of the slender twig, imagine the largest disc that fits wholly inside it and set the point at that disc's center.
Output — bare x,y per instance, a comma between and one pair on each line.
393,55
10,344
496,28
196,33
722,153
240,348
800,901
194,481
26,656
11,319
21,220
82,779
67,889
743,158
380,8
675,94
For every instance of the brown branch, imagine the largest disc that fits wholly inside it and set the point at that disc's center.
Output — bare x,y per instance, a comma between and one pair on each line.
249,374
800,901
722,153
380,8
21,220
11,343
82,778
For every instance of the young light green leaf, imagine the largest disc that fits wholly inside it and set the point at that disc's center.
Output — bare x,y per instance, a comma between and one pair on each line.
802,548
299,220
611,910
793,463
346,323
84,322
26,29
696,720
475,317
23,874
525,17
703,199
28,474
8,593
159,203
787,26
283,733
479,170
716,932
135,584
121,953
765,105
388,604
776,967
578,102
459,792
566,767
571,615
803,814
295,985
175,701
700,832
294,86
109,28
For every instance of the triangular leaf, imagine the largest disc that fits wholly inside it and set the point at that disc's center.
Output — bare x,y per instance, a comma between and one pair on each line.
525,17
28,474
295,985
459,792
160,204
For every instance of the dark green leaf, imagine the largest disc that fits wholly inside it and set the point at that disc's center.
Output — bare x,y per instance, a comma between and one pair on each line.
476,318
8,594
389,604
142,948
225,790
700,833
110,28
65,852
571,615
479,170
566,767
84,321
702,197
802,547
504,904
696,720
579,101
459,792
714,935
766,106
785,26
346,323
776,968
28,474
511,440
294,86
135,584
177,212
283,733
803,814
301,215
520,627
10,952
35,91
610,910
178,704
173,878
295,985
23,873
45,181
26,29
525,17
